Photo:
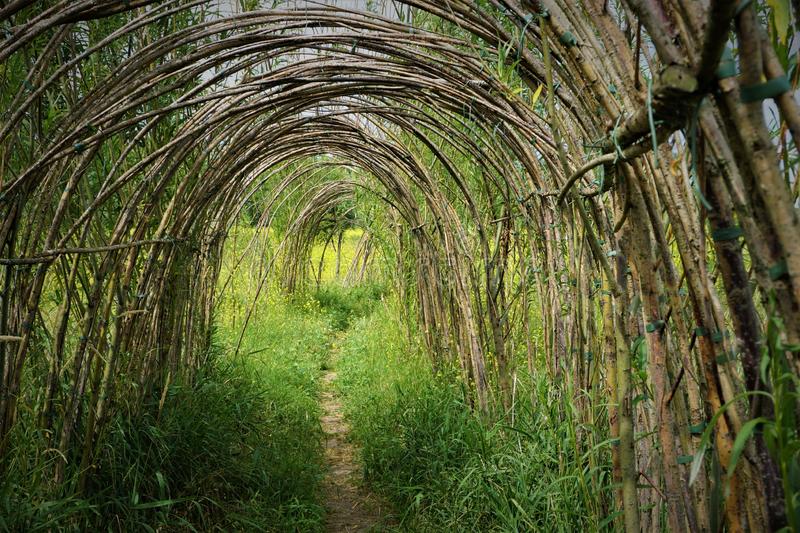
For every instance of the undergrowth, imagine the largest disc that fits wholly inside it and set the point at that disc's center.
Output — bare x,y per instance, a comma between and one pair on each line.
239,449
344,304
431,455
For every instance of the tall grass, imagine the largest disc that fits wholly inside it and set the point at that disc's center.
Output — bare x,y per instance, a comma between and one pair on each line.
425,449
343,304
238,449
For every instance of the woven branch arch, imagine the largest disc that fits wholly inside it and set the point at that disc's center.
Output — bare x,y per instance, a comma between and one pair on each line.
596,155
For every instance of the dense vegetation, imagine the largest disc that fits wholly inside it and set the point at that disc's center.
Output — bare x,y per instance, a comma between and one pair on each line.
550,246
218,453
445,467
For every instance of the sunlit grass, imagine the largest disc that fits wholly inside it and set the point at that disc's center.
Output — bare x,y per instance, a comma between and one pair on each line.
444,467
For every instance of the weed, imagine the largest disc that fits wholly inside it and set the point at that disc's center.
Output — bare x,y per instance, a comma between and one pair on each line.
425,449
239,448
345,304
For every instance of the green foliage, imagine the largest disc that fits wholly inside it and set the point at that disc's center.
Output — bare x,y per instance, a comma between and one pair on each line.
780,433
433,456
238,449
345,304
222,454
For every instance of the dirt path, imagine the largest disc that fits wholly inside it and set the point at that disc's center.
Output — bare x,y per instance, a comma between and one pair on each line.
350,507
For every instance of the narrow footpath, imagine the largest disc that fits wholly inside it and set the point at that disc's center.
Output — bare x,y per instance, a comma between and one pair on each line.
350,507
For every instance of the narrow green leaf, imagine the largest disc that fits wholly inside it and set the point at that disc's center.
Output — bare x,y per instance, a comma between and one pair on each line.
780,18
536,94
741,440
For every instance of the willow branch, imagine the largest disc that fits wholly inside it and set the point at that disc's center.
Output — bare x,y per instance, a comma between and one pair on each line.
613,157
50,255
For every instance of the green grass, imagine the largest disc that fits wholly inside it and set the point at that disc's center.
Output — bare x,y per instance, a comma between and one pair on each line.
349,242
447,469
343,305
238,449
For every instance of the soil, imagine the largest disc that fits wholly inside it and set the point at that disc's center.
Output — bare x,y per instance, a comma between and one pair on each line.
350,506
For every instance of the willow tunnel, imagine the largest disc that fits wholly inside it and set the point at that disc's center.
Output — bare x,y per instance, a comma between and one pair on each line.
602,191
